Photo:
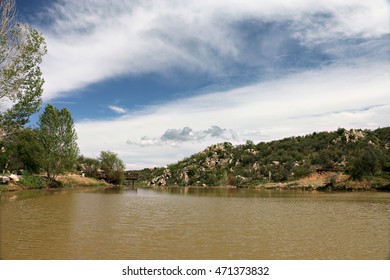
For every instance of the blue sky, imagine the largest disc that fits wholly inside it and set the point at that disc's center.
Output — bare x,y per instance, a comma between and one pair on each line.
156,81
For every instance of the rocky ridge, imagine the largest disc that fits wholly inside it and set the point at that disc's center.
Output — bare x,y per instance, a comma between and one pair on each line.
353,153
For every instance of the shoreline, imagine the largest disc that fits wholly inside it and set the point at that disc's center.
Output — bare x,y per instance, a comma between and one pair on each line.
324,181
69,181
314,182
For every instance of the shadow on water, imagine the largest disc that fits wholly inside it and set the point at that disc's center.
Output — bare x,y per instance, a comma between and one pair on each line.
231,192
117,190
28,194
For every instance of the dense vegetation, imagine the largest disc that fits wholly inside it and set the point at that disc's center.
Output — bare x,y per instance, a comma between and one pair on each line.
363,154
43,153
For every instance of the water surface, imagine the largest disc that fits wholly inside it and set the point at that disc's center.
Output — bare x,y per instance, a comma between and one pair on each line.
194,224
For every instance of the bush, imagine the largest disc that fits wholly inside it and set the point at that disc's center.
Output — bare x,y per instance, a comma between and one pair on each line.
367,162
32,182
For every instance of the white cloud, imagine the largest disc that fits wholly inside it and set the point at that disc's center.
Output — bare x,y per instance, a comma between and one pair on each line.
117,109
357,96
90,41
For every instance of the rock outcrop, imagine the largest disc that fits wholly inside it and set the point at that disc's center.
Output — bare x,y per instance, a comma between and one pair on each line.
161,181
284,160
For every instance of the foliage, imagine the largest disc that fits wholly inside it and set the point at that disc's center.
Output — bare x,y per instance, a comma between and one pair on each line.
21,51
367,162
21,82
112,166
32,181
57,138
21,151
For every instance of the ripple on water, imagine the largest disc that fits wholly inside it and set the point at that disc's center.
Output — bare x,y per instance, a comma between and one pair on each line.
196,224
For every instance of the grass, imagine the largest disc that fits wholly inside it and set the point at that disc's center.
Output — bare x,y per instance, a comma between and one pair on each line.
73,180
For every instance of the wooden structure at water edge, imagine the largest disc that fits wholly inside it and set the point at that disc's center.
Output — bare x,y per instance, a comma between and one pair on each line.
131,176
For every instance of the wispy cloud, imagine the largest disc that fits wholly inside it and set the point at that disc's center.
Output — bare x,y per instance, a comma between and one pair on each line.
117,109
90,41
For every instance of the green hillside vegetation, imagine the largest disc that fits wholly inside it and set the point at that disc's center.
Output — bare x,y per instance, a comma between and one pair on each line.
359,155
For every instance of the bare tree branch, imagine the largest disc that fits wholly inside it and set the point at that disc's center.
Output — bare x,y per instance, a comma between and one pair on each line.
8,12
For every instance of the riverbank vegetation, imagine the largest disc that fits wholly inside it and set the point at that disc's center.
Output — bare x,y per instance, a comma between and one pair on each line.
70,180
26,164
40,156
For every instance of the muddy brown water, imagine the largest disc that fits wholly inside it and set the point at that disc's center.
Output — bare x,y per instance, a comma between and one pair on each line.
194,224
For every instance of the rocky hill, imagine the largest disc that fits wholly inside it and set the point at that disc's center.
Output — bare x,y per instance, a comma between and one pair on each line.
355,154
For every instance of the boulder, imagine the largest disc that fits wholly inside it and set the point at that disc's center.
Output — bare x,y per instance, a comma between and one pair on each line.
4,179
14,177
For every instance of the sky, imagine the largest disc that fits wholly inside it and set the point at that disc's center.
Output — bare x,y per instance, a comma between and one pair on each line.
157,81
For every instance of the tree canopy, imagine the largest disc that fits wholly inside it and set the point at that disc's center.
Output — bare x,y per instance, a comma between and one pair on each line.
21,83
112,166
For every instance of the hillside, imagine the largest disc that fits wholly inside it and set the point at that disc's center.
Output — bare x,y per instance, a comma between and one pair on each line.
340,157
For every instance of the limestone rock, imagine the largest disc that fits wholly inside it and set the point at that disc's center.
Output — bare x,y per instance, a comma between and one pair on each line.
353,135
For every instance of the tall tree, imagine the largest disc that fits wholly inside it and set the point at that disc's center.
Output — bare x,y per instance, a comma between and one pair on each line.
21,51
58,141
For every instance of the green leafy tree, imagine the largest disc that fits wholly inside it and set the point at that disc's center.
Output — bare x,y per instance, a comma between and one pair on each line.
112,166
21,51
367,163
57,137
21,151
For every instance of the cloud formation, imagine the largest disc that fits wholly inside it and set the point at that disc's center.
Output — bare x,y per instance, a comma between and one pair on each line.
90,41
174,137
178,135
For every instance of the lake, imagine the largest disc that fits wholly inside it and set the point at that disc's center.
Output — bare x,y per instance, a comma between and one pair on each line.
191,223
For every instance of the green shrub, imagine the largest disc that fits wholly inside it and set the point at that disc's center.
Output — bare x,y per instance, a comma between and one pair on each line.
32,181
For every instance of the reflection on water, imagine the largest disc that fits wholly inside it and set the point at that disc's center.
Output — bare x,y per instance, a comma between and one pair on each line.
190,223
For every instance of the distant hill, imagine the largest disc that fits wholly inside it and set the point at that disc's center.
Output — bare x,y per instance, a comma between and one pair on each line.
360,154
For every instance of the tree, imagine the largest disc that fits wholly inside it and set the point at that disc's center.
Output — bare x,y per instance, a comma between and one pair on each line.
57,137
90,166
112,166
21,151
21,51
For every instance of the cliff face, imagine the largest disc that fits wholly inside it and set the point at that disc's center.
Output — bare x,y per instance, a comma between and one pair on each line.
355,152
